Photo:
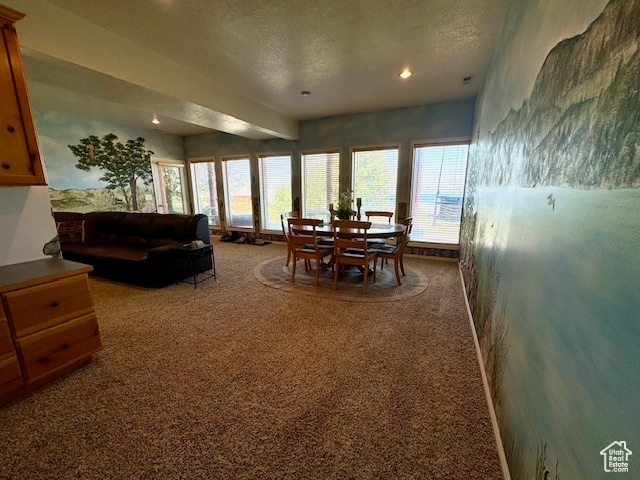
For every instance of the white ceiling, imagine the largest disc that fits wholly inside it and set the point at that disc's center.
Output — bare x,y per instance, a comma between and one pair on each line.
259,54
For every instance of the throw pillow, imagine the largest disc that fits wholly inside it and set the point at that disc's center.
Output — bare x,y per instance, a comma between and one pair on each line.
71,231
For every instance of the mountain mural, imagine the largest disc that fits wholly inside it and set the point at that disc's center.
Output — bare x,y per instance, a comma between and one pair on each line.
581,125
549,245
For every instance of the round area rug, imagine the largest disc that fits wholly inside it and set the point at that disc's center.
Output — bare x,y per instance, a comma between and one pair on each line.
274,273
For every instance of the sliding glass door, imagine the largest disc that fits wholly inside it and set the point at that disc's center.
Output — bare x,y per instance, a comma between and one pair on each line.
205,192
169,186
237,186
438,178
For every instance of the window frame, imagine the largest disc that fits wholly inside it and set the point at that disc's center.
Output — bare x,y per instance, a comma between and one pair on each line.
217,168
227,204
371,147
156,164
259,157
316,151
437,142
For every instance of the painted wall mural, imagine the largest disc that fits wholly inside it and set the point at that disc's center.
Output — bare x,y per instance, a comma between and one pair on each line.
79,156
550,242
126,166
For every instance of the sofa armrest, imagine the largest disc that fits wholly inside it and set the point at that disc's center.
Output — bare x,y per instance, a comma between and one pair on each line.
201,228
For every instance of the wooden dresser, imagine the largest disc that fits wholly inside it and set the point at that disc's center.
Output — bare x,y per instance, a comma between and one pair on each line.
48,325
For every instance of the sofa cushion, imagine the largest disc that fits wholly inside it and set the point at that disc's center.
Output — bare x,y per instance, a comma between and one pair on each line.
107,225
106,238
128,254
136,225
175,227
132,241
81,252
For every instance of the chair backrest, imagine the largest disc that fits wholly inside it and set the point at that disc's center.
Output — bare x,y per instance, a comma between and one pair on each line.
282,218
350,234
406,236
386,215
302,231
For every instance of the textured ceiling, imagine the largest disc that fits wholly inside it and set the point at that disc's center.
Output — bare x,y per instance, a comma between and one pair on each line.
347,53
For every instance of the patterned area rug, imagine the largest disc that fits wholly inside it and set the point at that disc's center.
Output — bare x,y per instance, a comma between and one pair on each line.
274,273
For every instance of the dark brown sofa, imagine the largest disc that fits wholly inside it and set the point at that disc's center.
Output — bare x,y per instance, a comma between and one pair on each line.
132,247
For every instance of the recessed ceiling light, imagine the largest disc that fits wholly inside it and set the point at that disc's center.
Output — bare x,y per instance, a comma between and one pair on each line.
305,93
155,120
406,73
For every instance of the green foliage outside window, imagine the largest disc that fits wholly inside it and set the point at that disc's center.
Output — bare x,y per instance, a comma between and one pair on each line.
279,203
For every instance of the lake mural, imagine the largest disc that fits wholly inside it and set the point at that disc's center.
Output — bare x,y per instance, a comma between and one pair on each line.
80,157
550,243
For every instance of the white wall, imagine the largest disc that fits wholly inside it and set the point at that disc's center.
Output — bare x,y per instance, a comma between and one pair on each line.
26,223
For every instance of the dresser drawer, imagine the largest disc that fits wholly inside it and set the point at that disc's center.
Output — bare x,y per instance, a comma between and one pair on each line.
56,347
10,375
6,344
35,308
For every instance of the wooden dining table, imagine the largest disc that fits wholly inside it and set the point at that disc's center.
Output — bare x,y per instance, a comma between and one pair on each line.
377,230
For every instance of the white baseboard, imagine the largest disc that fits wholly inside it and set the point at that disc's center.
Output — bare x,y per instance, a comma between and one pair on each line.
492,412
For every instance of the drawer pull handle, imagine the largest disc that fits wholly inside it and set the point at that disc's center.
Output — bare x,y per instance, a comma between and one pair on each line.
55,304
64,346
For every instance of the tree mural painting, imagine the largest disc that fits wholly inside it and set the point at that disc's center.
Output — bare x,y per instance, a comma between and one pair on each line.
123,163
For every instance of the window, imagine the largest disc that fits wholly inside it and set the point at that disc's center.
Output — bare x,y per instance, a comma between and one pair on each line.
375,177
237,186
439,173
205,193
275,189
320,174
168,183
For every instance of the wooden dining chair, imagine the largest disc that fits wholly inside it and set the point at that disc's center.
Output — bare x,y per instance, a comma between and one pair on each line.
285,232
304,244
371,213
408,222
378,241
396,252
351,248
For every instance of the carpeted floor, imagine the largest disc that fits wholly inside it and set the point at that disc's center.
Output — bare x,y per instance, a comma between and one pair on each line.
239,380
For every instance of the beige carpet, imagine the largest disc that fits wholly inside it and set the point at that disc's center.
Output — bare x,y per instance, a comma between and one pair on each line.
239,380
274,273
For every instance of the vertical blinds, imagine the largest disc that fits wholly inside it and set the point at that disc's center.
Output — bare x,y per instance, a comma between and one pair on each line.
375,178
275,189
439,173
320,186
237,182
203,175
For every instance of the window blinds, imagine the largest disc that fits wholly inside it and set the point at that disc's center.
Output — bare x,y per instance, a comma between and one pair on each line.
320,175
439,173
203,175
275,189
375,178
237,182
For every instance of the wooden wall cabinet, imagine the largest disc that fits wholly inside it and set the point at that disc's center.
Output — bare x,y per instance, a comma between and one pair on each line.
48,325
20,160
